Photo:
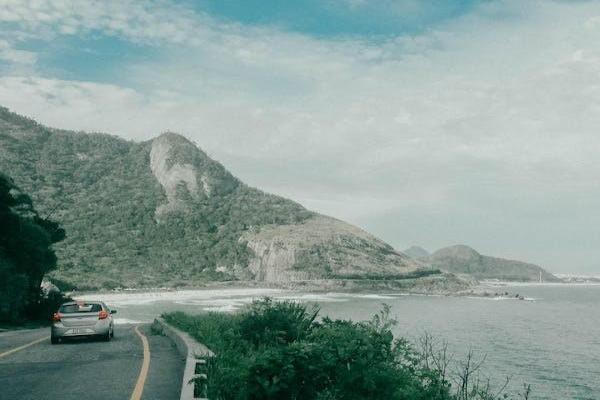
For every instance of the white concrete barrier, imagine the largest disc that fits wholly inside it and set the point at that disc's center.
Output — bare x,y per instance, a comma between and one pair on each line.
195,379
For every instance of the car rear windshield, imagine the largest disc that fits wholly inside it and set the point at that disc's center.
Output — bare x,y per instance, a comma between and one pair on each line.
80,308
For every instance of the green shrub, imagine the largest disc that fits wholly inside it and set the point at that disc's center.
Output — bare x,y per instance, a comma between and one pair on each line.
277,350
275,322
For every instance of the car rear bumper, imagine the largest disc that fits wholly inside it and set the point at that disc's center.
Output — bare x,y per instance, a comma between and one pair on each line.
58,330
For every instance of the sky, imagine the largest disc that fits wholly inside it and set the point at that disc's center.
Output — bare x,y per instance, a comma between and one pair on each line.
427,123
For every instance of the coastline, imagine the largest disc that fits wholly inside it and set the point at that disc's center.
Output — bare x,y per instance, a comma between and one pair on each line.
435,285
432,286
260,289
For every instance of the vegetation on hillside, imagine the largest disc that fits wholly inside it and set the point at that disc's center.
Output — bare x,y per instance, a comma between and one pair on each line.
102,191
162,213
26,256
278,350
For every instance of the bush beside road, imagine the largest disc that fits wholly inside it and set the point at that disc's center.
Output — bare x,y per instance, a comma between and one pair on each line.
279,350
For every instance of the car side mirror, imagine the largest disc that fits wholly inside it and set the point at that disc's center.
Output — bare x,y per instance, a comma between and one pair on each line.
113,311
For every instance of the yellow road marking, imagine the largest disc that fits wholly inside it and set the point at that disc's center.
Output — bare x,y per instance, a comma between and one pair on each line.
23,347
139,386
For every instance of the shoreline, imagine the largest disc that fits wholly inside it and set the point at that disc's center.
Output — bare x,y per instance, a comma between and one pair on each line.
483,290
337,285
438,285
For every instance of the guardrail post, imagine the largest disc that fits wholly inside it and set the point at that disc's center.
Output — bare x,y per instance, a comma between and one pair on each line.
201,379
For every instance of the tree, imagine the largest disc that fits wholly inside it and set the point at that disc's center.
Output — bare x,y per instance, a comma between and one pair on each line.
26,253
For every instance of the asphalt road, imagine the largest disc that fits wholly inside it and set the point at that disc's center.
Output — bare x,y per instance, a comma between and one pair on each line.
87,369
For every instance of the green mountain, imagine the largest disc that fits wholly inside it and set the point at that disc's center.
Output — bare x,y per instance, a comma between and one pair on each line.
162,213
462,259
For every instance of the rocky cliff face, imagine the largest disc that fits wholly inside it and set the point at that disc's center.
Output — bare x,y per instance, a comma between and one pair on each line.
184,171
162,213
174,177
462,259
322,247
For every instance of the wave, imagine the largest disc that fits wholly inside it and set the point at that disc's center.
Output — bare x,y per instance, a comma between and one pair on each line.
125,321
502,298
223,309
315,297
143,298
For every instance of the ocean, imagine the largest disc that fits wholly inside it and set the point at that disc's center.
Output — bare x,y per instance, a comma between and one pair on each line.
550,340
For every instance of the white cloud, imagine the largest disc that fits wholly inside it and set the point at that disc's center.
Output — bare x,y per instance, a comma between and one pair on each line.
491,116
149,21
12,55
70,104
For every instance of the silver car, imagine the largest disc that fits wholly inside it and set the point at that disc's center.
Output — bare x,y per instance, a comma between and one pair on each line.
82,318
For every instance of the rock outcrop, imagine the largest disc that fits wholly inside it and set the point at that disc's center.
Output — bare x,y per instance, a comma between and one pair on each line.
322,247
173,176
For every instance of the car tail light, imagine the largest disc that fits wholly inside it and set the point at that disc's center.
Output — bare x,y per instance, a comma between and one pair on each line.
56,317
102,315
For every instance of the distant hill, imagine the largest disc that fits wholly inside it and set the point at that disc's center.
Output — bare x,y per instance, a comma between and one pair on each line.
416,252
462,259
163,213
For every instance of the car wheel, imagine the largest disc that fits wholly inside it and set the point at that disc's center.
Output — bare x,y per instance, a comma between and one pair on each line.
112,333
54,340
106,337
